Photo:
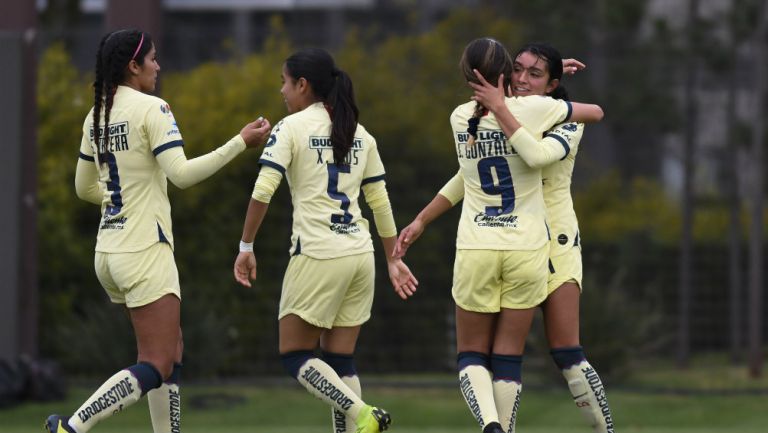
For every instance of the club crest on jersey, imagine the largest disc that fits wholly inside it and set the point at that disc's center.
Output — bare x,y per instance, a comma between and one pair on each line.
165,108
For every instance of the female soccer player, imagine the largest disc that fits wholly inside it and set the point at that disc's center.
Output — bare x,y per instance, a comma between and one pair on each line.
537,71
131,145
327,157
500,273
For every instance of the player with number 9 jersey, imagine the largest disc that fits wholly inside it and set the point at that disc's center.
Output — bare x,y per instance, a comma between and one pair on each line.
503,207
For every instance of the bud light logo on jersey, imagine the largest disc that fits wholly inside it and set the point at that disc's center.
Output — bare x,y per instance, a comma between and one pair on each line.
118,138
319,144
487,143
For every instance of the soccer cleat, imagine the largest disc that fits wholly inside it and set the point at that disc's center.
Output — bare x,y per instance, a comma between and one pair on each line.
372,420
493,427
58,424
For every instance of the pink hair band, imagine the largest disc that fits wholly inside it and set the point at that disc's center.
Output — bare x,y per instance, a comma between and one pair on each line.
141,41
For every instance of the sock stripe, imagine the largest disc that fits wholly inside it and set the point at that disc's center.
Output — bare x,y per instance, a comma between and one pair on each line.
567,357
292,361
147,376
507,367
465,359
175,374
342,364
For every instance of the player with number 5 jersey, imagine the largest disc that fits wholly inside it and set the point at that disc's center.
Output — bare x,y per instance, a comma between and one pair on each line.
327,158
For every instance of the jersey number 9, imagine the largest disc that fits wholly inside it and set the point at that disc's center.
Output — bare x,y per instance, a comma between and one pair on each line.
505,188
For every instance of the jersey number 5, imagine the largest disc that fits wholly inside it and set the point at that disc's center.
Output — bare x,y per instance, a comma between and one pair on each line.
334,193
505,188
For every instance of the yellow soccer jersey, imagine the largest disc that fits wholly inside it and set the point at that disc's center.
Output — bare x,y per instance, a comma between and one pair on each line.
326,216
135,209
556,177
503,205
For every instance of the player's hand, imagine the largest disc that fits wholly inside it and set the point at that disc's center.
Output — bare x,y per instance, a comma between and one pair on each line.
402,279
571,66
490,96
256,133
245,268
407,236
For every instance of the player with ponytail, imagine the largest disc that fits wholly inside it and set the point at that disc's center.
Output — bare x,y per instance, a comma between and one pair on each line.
500,272
131,147
327,158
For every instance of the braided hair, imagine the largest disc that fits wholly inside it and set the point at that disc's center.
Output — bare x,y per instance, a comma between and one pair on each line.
116,50
334,88
491,59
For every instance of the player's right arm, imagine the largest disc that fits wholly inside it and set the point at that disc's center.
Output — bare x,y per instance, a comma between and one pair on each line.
275,159
87,185
87,181
185,172
450,194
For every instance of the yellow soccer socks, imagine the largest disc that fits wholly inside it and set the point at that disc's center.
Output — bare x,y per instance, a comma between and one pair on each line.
121,390
507,386
344,366
477,389
165,404
585,386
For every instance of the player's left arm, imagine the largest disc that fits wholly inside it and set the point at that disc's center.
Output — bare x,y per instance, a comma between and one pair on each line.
376,196
556,145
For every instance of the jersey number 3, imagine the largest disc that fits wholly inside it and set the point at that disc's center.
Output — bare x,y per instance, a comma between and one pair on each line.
334,193
113,185
505,188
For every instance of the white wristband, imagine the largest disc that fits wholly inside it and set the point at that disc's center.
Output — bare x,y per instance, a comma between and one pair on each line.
246,247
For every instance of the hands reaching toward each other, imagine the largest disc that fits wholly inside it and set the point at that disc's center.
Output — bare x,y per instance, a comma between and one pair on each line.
490,96
256,133
571,66
402,279
245,268
407,236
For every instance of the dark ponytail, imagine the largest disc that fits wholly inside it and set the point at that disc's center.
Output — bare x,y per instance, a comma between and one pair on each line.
334,88
491,59
116,50
554,61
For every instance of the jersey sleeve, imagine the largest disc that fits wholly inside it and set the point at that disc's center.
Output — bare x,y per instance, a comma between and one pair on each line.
453,190
266,184
378,199
374,168
553,147
185,172
86,173
543,112
567,135
161,128
279,150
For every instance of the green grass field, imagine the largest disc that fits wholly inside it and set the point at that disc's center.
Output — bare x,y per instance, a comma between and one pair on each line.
289,409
